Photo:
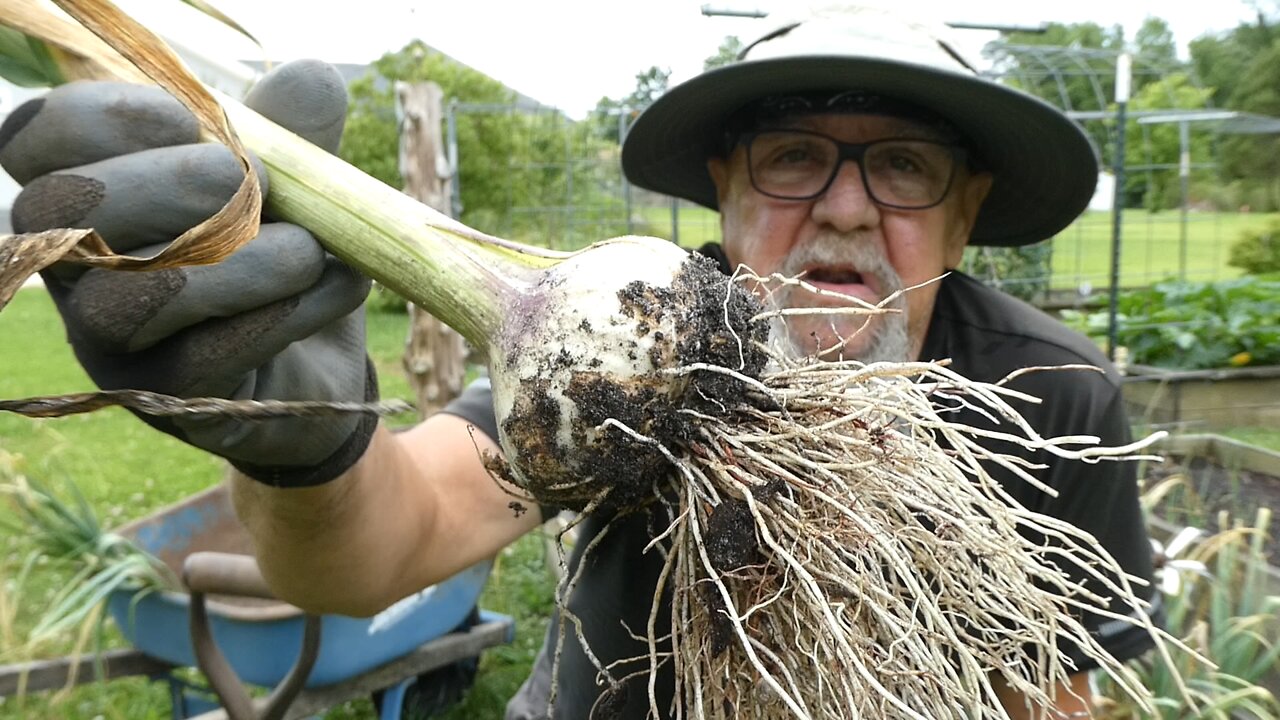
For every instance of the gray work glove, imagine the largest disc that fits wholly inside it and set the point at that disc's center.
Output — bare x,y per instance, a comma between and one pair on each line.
279,320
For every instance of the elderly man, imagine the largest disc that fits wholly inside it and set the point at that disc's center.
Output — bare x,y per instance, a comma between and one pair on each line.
852,147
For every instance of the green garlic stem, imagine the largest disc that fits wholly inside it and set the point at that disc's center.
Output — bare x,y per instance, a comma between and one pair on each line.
463,277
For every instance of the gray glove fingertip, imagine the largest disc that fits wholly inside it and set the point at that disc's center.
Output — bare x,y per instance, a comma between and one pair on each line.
83,122
282,261
127,312
307,97
139,199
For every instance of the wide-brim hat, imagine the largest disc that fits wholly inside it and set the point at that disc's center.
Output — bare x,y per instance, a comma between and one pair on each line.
1045,168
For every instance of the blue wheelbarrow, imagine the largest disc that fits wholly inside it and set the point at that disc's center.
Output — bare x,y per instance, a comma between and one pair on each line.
230,626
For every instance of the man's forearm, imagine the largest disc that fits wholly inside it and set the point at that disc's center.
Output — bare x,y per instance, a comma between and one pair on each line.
326,548
417,508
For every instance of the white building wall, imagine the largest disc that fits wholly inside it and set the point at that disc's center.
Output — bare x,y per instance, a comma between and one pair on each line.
1105,194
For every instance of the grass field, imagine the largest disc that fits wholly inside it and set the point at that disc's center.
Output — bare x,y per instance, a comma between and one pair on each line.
1150,247
1150,243
126,470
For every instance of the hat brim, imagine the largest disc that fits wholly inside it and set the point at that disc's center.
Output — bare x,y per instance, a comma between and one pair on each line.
1045,168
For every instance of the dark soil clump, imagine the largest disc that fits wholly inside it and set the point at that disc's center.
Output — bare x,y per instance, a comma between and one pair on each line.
721,332
626,465
731,536
721,635
532,428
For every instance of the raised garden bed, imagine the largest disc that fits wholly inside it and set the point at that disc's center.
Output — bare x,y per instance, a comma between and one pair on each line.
1220,474
1204,399
1208,474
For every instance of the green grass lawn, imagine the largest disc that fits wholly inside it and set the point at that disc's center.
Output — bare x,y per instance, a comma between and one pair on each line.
1268,438
127,470
1150,247
1150,243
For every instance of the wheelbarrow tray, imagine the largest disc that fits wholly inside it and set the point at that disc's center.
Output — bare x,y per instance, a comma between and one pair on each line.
261,638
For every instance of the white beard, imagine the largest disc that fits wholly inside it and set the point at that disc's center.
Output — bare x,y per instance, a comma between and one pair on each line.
889,341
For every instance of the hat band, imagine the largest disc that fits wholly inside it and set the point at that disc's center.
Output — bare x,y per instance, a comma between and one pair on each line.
772,109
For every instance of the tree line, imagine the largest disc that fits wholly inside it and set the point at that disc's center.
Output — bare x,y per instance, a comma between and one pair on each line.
546,160
1238,69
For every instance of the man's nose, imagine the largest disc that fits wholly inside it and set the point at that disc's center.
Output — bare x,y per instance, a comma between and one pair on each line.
846,205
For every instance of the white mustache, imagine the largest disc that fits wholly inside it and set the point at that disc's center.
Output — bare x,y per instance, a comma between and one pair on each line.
890,340
868,258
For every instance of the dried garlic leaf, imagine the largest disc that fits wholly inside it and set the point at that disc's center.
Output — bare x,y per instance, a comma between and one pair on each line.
149,403
22,256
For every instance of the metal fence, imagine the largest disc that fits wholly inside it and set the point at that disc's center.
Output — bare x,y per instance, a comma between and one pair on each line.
571,191
575,193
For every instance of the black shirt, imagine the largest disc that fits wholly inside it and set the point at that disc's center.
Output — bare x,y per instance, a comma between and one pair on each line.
986,335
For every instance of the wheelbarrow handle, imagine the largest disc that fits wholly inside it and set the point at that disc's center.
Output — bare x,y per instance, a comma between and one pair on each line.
229,574
218,573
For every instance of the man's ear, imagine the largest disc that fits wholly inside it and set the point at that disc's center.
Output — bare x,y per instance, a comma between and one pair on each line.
973,191
718,169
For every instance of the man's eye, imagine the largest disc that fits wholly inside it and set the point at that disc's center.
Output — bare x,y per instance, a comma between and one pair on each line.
794,155
905,163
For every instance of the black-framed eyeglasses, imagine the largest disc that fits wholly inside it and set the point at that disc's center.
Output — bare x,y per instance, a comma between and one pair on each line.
904,173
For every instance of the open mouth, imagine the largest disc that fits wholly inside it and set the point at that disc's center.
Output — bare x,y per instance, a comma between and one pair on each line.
844,280
834,276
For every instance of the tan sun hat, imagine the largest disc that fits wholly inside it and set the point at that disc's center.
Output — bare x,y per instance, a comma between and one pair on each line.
1045,167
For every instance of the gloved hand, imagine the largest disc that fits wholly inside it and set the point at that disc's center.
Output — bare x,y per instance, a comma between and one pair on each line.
279,320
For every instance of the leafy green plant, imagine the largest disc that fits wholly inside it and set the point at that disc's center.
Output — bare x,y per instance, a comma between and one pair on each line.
65,531
520,169
1257,251
1220,607
13,584
1186,325
1022,272
23,62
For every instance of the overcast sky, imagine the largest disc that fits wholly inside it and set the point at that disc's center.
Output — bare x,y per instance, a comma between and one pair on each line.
570,53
